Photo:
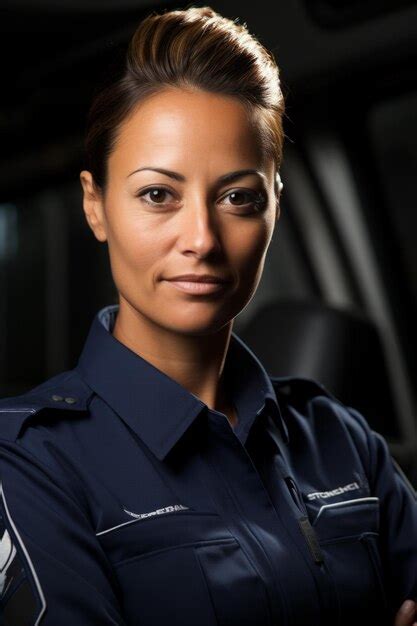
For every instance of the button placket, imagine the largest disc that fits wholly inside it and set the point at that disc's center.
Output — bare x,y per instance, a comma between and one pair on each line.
242,528
320,571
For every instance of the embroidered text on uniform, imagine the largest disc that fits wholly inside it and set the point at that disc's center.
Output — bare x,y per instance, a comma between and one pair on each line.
166,509
334,492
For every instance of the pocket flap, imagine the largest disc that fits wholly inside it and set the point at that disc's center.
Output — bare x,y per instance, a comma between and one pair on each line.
162,532
347,518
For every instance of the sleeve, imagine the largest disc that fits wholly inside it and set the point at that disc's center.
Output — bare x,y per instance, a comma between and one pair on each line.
398,513
53,569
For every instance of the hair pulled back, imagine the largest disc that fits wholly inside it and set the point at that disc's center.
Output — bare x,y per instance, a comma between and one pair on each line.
195,48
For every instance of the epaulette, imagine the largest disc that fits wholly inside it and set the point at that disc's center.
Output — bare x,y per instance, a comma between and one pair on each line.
66,391
298,391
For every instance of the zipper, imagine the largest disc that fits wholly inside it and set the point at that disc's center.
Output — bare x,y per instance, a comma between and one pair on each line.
304,521
295,494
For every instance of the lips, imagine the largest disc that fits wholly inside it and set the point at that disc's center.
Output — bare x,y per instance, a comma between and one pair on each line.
198,287
199,278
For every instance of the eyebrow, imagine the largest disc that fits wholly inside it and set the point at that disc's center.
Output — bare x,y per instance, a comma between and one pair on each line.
226,178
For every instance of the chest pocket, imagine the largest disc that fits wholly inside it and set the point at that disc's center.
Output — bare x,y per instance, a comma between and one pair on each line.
185,567
348,533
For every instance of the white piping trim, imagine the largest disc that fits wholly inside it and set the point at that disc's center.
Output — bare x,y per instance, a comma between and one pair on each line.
22,545
344,503
103,532
131,521
17,410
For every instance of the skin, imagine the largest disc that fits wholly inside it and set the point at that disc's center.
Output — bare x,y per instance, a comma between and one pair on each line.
407,614
195,227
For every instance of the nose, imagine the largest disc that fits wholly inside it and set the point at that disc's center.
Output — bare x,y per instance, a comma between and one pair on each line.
199,228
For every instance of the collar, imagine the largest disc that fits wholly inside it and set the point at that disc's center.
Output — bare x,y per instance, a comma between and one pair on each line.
152,403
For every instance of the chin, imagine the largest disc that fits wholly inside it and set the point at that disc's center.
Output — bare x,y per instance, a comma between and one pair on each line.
197,325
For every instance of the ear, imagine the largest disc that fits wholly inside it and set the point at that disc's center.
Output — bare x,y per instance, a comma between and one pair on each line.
277,211
93,206
278,189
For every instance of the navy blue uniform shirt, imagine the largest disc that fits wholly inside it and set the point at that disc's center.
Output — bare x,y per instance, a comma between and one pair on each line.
126,500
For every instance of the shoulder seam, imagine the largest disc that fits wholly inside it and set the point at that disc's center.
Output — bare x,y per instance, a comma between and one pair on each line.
359,419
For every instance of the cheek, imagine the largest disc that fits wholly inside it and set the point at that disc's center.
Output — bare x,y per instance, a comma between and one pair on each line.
133,249
248,245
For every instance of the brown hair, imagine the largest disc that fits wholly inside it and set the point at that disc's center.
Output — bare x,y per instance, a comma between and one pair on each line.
195,48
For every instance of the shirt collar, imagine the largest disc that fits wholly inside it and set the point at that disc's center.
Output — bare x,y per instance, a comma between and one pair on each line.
152,403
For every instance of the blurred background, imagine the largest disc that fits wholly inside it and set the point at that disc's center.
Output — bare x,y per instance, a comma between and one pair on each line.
337,301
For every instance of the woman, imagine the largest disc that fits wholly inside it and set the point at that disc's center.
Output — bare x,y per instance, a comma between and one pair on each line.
167,478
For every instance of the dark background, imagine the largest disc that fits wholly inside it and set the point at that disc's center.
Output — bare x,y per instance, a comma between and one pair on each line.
339,290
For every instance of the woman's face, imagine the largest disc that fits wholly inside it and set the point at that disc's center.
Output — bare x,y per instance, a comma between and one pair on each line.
185,220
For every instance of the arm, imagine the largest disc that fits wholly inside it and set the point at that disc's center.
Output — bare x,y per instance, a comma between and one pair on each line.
398,512
54,570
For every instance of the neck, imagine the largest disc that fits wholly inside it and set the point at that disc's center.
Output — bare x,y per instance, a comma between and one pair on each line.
194,361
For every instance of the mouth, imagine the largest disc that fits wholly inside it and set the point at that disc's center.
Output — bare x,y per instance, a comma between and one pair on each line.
198,287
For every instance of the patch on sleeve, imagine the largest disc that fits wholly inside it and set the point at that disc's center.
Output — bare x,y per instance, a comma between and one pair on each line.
21,599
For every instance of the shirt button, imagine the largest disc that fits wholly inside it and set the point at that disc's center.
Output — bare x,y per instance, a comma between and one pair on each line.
70,400
57,398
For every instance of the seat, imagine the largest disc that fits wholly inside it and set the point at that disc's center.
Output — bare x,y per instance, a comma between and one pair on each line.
341,349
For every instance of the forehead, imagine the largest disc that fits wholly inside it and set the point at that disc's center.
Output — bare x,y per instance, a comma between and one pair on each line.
178,125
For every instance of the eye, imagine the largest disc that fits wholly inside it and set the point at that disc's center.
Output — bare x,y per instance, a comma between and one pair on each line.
247,198
156,195
240,198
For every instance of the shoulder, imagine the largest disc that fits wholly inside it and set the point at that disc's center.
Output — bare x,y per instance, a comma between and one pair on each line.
309,405
299,391
60,397
311,398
